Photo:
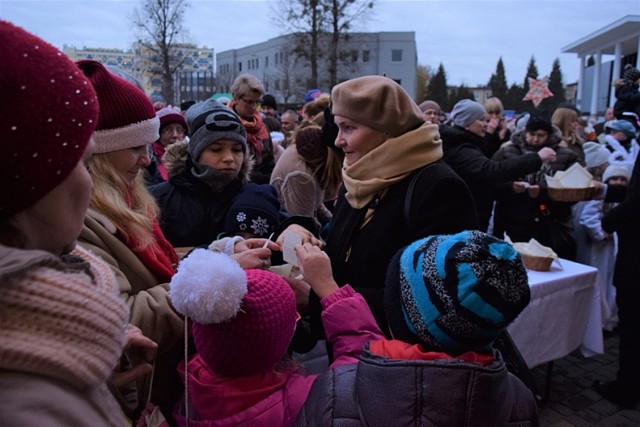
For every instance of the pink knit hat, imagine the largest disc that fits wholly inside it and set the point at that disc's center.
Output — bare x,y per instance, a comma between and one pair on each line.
243,321
171,114
127,117
48,111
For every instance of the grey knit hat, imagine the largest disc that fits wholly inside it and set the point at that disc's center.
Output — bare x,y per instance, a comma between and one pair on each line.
211,121
595,154
455,293
466,112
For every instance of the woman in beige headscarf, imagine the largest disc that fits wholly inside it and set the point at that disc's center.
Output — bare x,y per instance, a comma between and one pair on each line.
396,187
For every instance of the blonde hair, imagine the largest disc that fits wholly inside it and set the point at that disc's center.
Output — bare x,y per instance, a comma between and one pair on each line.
318,105
562,118
110,193
246,83
493,105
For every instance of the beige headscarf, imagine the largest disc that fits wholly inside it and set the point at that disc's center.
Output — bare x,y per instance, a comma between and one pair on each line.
391,162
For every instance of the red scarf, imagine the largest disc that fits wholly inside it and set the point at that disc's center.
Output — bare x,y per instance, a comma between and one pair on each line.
400,350
159,150
160,258
256,132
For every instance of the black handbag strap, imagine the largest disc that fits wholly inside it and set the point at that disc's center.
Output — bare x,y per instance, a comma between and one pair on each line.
409,196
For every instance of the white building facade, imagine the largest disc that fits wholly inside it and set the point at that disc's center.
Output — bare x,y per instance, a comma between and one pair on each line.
286,76
603,55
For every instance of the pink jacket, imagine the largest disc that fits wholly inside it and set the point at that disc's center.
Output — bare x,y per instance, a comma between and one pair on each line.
275,398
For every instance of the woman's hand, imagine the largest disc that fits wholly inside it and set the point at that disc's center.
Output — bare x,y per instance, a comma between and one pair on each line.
533,191
316,269
547,154
493,124
306,235
145,348
247,244
520,186
258,258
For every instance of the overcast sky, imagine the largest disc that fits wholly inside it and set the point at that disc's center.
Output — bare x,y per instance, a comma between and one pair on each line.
467,37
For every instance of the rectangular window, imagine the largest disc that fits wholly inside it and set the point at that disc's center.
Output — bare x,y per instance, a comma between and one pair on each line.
266,61
354,56
365,56
239,66
396,55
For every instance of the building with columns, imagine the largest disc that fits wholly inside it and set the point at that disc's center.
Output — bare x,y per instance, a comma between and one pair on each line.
603,55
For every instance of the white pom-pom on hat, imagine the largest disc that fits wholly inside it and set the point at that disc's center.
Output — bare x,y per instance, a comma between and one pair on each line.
208,287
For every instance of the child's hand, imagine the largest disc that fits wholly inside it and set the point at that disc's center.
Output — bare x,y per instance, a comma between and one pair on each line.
316,269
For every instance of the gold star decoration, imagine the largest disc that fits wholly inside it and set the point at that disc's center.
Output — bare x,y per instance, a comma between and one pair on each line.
538,90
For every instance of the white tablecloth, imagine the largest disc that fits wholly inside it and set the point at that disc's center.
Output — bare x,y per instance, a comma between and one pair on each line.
564,314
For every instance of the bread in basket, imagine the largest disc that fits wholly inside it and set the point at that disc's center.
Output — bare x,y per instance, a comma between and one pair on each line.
534,255
573,185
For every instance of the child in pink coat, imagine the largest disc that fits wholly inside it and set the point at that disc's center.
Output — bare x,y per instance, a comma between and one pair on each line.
242,324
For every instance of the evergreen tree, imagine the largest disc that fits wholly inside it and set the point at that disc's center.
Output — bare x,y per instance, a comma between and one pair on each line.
498,82
556,87
464,92
422,78
513,98
437,88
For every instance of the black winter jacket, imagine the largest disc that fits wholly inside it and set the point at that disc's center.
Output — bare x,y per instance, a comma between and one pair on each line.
623,219
627,99
441,204
191,213
523,217
462,151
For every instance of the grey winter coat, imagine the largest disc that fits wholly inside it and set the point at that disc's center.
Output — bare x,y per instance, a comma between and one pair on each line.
383,392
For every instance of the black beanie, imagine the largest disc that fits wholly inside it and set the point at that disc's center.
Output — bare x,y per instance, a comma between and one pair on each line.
269,101
539,120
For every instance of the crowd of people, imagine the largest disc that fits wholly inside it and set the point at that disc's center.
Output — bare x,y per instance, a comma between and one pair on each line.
162,264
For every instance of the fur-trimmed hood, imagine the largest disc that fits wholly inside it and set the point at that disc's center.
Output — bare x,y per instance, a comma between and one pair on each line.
177,156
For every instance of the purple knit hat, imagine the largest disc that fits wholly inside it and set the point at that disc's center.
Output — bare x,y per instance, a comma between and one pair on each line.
243,321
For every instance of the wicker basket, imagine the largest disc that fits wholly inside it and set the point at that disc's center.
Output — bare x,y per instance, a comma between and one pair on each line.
537,263
570,194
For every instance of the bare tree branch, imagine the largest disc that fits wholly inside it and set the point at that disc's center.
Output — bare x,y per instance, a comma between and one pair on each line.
158,25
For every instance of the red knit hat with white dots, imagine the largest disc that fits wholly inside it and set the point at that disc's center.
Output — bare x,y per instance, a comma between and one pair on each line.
127,117
48,111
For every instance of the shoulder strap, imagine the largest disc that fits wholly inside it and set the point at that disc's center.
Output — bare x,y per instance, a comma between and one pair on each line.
409,196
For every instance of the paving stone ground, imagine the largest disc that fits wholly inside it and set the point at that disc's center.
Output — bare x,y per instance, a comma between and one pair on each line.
572,400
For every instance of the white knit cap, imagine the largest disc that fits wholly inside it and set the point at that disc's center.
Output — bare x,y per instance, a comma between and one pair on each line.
614,171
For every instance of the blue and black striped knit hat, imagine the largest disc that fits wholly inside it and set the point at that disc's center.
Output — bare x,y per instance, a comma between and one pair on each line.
455,293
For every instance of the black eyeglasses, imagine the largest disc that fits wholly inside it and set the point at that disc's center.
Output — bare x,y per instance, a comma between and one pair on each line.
250,101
